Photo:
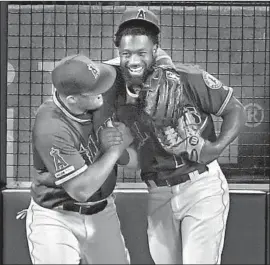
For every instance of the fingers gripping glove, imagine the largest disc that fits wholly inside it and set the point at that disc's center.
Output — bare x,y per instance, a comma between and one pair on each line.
174,125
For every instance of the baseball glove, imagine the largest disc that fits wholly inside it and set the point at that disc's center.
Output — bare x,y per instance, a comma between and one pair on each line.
174,124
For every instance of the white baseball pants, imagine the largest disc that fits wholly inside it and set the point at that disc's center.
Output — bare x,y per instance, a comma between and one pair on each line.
186,222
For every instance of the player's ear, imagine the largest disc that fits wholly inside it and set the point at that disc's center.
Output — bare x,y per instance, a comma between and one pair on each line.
71,99
155,49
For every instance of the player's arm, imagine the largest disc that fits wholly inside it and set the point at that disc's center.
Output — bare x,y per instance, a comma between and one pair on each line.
88,182
218,99
128,158
233,120
107,138
57,149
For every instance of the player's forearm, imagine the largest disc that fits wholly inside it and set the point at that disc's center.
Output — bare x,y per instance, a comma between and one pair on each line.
233,121
94,176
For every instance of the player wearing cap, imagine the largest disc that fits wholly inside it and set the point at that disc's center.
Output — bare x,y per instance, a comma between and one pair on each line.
171,108
72,216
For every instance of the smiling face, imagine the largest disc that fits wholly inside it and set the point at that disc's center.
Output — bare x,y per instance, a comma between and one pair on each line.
136,57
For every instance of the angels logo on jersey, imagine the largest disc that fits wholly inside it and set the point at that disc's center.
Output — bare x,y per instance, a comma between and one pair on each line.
58,160
211,81
85,153
90,152
141,137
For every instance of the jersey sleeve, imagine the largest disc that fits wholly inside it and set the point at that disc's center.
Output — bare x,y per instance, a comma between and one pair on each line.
212,94
56,149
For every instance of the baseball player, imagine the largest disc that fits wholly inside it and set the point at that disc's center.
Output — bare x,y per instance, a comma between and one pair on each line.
169,111
72,216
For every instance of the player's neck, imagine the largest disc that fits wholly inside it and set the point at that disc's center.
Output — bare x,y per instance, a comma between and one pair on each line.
75,111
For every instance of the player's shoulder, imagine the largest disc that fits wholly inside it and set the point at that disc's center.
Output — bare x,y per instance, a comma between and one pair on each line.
198,77
189,69
47,119
47,108
189,72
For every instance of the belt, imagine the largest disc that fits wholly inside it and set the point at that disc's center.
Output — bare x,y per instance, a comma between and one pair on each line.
87,210
174,180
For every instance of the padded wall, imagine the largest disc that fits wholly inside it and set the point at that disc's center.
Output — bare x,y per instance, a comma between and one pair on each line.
244,243
268,230
1,226
15,249
246,230
132,209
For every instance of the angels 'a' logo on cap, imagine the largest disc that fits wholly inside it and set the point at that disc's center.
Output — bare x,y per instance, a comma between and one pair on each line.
141,14
93,69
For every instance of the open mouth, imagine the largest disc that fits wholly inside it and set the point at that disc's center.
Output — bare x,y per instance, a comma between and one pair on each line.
138,71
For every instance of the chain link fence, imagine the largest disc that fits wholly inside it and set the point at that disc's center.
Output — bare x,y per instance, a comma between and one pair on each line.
230,41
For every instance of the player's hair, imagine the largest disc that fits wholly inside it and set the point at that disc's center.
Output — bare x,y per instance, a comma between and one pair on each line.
135,29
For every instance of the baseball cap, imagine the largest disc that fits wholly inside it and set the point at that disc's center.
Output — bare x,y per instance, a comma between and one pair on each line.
139,14
78,74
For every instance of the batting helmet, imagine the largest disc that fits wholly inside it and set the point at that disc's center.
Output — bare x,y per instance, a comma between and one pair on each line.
141,15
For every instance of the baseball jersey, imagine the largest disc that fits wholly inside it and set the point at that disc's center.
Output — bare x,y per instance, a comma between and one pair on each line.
202,96
64,145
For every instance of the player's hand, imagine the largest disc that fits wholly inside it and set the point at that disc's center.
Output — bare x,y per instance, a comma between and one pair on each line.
109,137
209,152
127,136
